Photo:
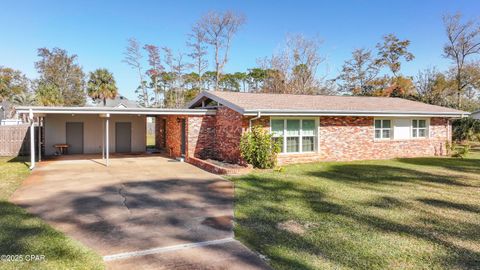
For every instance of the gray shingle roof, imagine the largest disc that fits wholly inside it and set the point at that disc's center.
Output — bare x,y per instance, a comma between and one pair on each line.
254,102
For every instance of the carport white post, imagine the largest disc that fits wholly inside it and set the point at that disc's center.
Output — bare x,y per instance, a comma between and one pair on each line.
106,139
32,139
39,138
103,139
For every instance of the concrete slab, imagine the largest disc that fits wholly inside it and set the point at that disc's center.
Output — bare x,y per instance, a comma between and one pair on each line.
138,203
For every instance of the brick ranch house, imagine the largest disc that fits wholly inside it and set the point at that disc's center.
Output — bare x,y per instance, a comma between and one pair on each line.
313,128
309,128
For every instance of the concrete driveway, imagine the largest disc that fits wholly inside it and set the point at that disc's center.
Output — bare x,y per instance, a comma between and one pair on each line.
141,212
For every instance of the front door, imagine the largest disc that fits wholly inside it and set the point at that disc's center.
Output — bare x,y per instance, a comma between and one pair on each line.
183,137
123,137
74,135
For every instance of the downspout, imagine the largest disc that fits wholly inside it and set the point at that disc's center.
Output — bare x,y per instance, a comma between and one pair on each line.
259,114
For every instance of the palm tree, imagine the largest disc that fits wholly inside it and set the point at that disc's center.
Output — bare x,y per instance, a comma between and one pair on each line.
24,99
101,85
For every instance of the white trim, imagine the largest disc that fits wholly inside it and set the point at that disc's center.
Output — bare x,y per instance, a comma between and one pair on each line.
219,100
32,139
107,142
353,113
157,250
94,110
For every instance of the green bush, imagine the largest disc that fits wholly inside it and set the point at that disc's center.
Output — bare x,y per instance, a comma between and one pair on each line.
258,148
466,129
461,151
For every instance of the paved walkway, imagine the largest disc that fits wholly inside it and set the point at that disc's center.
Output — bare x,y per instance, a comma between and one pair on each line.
179,215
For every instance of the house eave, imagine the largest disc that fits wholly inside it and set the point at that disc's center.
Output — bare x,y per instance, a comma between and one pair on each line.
112,111
354,113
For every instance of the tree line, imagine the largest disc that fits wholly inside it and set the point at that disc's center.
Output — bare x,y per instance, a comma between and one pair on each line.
61,82
170,78
458,87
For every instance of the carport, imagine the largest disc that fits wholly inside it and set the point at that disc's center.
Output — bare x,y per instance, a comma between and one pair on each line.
94,130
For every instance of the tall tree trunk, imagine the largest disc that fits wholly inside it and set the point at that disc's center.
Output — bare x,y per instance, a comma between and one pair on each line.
217,67
459,88
144,91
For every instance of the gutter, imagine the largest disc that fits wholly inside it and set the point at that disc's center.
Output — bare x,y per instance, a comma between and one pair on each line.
353,113
259,114
93,110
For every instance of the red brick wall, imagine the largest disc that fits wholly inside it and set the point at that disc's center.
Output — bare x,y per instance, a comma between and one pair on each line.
173,140
201,136
352,138
210,136
340,138
229,127
200,132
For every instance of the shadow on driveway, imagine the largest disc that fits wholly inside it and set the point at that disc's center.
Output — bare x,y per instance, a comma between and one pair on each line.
137,204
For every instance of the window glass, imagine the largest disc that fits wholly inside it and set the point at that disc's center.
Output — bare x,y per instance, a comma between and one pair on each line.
308,127
386,124
308,144
293,144
293,127
294,135
419,128
277,127
382,129
386,133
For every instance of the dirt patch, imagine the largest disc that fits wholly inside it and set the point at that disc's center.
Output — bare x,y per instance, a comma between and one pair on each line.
223,223
295,227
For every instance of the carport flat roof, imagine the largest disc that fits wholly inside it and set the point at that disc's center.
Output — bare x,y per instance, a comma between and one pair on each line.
103,110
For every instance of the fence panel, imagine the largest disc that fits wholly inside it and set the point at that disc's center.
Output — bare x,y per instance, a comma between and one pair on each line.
15,140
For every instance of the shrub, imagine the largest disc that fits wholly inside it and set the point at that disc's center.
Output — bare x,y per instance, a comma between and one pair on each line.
258,148
466,129
461,151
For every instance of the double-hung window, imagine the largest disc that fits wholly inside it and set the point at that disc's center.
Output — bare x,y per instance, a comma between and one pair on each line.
383,129
294,135
308,135
278,129
419,128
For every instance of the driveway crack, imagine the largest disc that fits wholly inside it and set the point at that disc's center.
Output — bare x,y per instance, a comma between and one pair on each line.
122,193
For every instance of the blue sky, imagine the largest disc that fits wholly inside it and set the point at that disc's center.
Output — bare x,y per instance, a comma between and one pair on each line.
97,30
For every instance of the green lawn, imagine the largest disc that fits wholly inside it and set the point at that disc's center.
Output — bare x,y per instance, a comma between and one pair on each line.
150,140
421,213
24,234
